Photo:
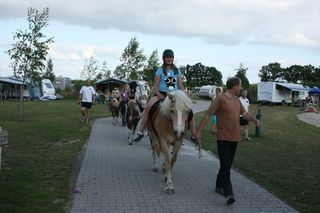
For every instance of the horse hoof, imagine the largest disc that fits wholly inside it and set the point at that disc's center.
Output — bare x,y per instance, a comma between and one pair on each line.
155,169
169,191
130,143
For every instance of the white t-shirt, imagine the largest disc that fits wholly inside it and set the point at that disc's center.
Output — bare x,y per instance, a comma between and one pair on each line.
87,93
245,103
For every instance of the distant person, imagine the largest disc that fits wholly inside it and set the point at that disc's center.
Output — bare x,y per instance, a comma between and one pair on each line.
228,108
243,122
87,97
214,116
124,98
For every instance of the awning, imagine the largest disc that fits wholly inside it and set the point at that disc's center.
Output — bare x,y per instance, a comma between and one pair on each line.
10,81
294,87
314,91
110,80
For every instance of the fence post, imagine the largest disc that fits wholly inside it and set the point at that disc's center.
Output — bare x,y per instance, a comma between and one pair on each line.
259,117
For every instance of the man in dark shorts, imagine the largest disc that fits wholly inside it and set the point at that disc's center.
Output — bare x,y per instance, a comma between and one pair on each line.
87,96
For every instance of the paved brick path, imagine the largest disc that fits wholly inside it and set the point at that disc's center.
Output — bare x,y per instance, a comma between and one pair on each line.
116,177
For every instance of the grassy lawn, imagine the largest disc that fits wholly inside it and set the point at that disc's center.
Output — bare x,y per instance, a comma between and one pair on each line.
38,161
285,159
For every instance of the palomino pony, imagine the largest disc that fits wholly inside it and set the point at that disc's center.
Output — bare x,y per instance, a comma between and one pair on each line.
166,126
113,105
132,118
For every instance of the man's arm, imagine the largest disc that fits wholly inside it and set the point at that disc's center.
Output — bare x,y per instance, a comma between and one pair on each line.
80,98
205,120
249,117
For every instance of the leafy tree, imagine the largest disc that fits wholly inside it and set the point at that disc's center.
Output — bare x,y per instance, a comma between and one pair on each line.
242,74
90,68
199,75
132,60
271,72
49,71
252,93
28,53
149,70
293,74
104,72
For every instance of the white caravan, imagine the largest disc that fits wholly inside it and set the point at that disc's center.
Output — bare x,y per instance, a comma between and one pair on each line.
278,92
48,91
208,91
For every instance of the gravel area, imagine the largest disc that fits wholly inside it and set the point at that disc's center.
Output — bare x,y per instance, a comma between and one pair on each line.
310,118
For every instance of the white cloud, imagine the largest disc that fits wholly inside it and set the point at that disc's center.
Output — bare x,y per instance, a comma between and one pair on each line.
220,21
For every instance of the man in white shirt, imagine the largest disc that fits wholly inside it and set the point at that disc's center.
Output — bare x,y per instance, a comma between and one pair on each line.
87,97
243,122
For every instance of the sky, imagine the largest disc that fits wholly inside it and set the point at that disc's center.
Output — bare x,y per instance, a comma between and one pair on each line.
219,33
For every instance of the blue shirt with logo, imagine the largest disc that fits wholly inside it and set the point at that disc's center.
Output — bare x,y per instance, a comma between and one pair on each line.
170,82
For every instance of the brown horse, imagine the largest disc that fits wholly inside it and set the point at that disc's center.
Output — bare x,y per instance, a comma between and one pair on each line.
166,126
113,105
132,118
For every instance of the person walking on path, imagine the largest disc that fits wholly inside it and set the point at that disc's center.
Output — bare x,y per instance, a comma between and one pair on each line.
228,108
214,116
244,122
167,78
87,96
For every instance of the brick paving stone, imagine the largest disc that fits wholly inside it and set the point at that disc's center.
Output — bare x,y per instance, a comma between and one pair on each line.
115,177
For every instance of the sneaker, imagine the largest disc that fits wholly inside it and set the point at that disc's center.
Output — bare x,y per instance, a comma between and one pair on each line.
248,139
219,190
230,199
138,137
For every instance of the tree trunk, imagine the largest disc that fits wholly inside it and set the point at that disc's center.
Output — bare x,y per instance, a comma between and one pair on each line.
20,113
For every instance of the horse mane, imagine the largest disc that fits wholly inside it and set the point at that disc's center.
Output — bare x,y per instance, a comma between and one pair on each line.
182,102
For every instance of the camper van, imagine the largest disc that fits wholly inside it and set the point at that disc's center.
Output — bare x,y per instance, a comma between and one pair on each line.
280,92
48,91
207,91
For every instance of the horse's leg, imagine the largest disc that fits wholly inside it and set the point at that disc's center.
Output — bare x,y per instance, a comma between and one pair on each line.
176,148
155,154
130,135
167,168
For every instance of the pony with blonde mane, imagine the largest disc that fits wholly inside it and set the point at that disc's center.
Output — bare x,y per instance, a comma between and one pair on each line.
166,126
113,105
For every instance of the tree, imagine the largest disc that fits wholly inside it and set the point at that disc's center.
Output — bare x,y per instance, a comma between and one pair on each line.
199,75
104,72
28,53
149,70
271,72
242,74
132,60
90,68
49,71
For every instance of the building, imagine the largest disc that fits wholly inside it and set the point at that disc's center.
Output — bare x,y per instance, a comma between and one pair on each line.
62,83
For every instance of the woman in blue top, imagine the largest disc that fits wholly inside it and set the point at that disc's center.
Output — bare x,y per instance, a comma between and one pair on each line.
167,78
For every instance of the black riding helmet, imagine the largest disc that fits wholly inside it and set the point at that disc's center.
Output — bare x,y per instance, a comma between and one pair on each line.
167,53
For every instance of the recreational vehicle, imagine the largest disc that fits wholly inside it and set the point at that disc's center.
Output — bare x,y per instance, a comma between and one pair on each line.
48,91
208,91
278,92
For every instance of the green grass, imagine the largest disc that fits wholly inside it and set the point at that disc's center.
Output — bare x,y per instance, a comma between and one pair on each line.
285,159
38,161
